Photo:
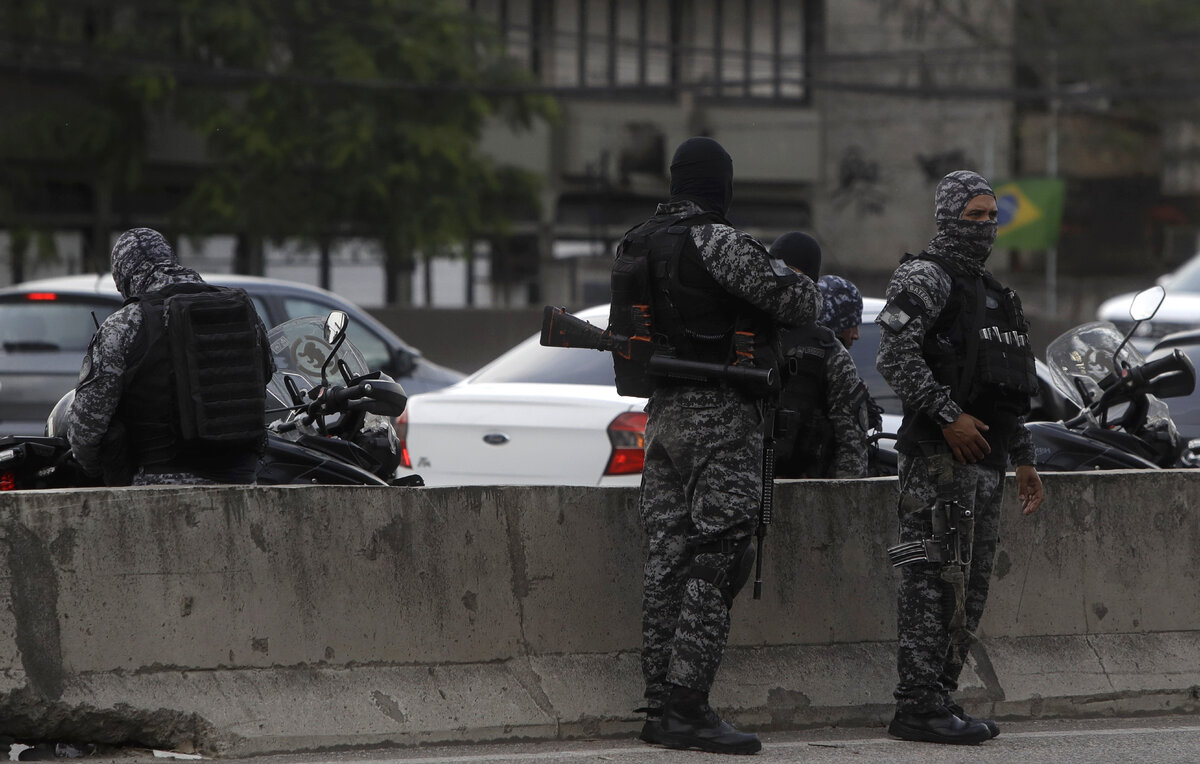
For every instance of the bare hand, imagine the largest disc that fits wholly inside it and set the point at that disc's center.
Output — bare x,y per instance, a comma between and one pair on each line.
965,436
1029,488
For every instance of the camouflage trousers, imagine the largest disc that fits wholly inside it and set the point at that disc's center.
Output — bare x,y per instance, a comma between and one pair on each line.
930,655
700,487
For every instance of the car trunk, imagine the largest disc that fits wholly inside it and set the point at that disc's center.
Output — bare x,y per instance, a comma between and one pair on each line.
511,433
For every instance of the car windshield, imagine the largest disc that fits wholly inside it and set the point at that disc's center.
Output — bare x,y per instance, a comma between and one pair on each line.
50,322
531,362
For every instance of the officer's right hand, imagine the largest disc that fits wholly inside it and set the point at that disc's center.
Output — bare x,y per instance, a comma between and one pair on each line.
965,436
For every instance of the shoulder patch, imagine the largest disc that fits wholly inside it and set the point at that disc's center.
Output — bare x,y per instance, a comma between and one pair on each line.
901,309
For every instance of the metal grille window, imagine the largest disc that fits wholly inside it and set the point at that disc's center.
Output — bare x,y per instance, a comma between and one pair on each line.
730,48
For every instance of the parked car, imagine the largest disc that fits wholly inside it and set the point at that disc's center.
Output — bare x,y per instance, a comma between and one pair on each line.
1179,312
545,415
46,325
1185,410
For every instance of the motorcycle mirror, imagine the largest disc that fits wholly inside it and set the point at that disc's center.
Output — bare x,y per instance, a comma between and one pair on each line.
1146,303
335,335
1143,307
335,326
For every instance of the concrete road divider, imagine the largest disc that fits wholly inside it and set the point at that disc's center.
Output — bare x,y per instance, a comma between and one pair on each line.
247,620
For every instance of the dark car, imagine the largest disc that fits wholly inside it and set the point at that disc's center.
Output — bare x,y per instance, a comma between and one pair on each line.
46,325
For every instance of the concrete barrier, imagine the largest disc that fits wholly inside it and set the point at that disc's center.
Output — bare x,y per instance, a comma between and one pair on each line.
243,621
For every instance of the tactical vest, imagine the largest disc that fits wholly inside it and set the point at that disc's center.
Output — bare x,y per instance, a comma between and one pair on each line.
666,301
804,446
196,395
979,348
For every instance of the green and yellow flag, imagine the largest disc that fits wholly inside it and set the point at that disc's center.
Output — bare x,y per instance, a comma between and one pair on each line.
1030,213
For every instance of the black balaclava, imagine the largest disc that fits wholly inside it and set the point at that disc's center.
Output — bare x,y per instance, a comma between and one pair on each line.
968,241
799,250
702,172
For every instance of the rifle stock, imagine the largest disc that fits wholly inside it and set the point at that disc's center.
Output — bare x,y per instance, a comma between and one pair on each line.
560,329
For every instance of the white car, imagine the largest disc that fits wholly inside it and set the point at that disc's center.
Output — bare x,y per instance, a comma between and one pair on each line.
541,415
535,415
1180,311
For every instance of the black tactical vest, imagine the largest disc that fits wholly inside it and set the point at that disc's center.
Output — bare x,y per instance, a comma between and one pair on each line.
978,347
195,396
665,299
804,446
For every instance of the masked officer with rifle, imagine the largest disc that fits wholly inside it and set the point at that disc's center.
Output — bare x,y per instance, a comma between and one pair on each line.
697,293
955,347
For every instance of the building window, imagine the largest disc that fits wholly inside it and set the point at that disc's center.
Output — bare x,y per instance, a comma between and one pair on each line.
730,48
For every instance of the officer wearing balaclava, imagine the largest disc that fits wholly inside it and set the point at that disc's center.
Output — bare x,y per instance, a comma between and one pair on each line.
824,408
955,348
716,297
140,414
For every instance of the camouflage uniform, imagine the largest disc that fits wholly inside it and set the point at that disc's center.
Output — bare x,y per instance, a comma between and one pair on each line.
845,406
702,479
931,652
849,413
142,262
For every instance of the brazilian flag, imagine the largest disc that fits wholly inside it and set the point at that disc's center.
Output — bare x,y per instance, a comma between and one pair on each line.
1030,213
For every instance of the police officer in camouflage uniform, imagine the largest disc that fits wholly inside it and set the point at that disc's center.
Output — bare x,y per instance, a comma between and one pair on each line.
128,420
824,408
842,313
702,480
955,348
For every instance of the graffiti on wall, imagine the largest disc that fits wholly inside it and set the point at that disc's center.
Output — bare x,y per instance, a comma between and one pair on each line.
858,184
936,166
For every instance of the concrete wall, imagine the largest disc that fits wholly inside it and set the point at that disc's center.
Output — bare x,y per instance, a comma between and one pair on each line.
284,618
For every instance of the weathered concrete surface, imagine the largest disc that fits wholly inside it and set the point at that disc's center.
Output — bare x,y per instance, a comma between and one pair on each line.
251,620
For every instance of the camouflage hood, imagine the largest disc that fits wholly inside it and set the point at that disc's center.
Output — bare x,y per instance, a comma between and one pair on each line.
843,304
968,242
143,261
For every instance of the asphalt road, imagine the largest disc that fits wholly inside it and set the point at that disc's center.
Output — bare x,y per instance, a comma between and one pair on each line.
1152,739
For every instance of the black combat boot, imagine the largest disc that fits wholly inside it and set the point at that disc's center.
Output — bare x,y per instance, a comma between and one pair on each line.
958,711
652,729
938,726
689,722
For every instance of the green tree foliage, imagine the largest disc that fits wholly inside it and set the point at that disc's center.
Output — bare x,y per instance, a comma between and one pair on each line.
77,111
320,118
1137,51
328,117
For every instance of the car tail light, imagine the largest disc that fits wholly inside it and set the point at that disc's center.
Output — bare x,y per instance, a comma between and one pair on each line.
402,436
8,481
627,433
41,296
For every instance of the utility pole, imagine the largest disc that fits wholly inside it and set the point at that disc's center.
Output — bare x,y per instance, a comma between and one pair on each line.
1052,171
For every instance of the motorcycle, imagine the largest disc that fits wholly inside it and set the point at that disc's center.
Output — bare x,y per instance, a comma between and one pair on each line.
319,432
1122,423
1120,420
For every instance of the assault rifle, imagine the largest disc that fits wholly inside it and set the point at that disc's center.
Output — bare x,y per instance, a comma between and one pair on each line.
560,329
950,542
563,330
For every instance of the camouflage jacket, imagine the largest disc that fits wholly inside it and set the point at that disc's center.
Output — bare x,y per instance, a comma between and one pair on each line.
742,266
